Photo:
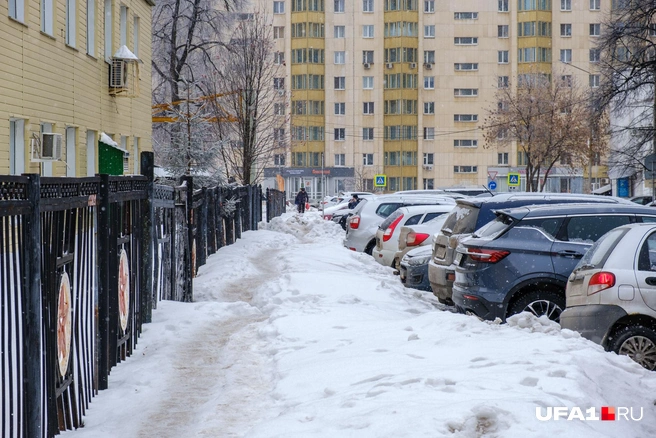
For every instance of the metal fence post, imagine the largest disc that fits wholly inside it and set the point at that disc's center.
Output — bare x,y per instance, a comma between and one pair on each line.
188,294
148,235
102,309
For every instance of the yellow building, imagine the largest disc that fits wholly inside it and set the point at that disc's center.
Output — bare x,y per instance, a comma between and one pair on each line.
401,87
59,58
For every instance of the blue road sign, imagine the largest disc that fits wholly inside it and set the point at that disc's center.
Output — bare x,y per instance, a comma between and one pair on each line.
380,180
513,179
492,185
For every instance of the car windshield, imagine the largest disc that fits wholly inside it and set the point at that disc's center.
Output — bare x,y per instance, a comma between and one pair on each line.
461,220
493,229
601,249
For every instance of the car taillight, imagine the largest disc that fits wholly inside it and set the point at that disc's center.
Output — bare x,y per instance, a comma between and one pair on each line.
600,281
486,255
328,217
414,239
354,222
388,232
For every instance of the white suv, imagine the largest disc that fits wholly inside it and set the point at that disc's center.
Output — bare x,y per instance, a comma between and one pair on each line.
611,294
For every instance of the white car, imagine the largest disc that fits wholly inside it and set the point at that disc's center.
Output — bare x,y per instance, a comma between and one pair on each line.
414,236
611,294
387,235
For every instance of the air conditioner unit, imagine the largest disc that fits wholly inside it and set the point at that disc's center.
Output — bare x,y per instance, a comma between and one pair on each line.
428,167
367,65
413,65
428,65
281,92
118,74
389,65
51,147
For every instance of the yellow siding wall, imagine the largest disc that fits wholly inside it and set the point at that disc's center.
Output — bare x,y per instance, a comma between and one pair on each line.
42,80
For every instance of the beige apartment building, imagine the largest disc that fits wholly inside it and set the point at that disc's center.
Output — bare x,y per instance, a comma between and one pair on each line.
400,87
75,86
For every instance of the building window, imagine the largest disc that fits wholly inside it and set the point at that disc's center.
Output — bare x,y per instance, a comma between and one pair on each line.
566,81
429,31
566,55
368,108
367,82
71,152
465,169
503,82
465,117
429,6
465,41
91,27
502,158
429,56
340,57
46,167
340,108
465,92
429,82
429,107
595,5
594,81
368,31
340,159
278,32
502,31
17,10
503,6
367,5
367,133
565,30
135,35
565,5
595,55
429,183
465,66
595,29
503,56
465,15
279,109
278,7
16,146
428,159
367,159
339,6
47,19
123,26
429,133
279,159
279,58
368,56
522,158
278,83
340,134
71,20
465,143
340,83
279,134
340,31
108,29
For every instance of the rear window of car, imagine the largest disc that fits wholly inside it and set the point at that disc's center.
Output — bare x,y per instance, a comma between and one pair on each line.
391,218
493,229
384,210
596,256
461,220
414,220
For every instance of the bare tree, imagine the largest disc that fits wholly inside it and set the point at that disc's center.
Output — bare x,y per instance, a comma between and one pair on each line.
549,122
250,113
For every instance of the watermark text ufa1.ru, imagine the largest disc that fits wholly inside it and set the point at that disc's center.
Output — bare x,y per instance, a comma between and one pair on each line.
606,413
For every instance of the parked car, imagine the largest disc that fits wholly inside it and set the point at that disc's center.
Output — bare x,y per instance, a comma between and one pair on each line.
521,260
412,236
328,212
330,201
413,268
611,294
470,215
369,213
387,235
642,200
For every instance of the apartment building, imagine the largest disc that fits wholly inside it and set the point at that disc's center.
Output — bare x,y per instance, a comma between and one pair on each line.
76,87
400,87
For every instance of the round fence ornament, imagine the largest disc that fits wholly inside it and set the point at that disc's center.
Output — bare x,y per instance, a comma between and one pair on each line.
123,289
64,324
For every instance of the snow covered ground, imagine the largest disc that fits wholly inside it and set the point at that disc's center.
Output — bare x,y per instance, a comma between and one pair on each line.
292,335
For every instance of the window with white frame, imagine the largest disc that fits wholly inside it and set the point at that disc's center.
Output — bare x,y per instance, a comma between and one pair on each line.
17,10
566,81
465,169
368,56
340,31
566,55
595,29
135,35
465,15
108,19
340,108
278,83
279,134
279,159
565,5
565,29
429,183
279,58
429,82
16,146
91,27
47,17
503,56
429,107
278,32
594,81
465,41
278,7
367,159
595,5
368,108
367,82
503,82
46,167
71,152
279,109
502,31
71,21
340,134
595,55
123,25
465,143
367,133
465,92
502,158
503,6
429,56
340,159
368,31
91,153
465,66
429,133
339,6
429,6
465,117
367,5
340,57
429,31
428,159
340,83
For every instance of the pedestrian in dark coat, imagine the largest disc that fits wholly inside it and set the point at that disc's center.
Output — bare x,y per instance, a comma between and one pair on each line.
353,202
301,199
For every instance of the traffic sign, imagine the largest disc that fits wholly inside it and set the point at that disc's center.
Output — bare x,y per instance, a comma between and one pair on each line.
492,174
380,180
513,179
492,185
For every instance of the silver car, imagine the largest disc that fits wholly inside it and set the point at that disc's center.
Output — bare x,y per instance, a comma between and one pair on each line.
611,294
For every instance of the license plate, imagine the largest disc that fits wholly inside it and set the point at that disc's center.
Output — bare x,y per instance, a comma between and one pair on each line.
440,252
458,258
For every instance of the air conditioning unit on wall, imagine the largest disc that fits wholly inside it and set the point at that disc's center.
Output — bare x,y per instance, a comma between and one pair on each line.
428,65
428,167
367,65
389,65
413,65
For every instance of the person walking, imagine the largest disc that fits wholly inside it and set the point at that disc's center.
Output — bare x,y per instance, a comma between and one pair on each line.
301,200
353,202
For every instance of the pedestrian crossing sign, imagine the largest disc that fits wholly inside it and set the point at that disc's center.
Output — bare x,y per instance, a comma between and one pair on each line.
513,179
380,180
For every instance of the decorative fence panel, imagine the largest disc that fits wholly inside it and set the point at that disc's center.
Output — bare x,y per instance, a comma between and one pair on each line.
275,203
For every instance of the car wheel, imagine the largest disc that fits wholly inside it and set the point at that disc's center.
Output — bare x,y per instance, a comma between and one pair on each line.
637,342
369,249
539,303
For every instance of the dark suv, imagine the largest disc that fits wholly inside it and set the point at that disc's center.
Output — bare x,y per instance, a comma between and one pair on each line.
471,214
522,259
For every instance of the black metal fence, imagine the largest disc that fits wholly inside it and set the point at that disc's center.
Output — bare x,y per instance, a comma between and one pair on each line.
83,261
